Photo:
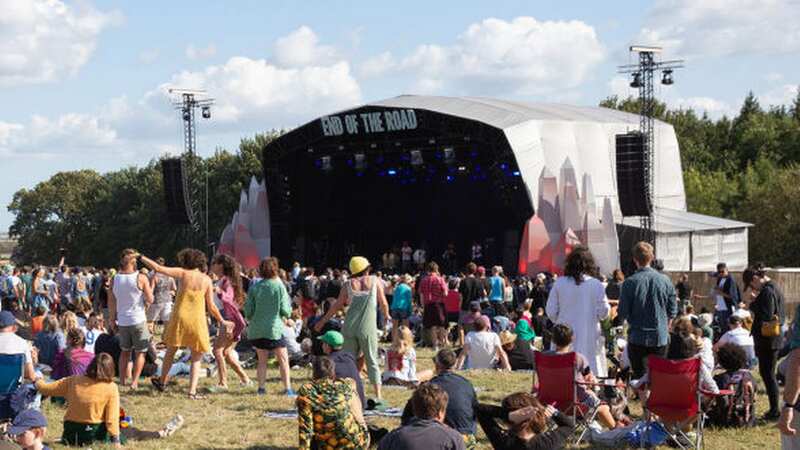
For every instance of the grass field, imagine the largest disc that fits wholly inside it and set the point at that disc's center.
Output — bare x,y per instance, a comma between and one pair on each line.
234,420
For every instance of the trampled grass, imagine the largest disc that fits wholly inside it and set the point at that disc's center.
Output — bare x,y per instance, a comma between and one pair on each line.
235,419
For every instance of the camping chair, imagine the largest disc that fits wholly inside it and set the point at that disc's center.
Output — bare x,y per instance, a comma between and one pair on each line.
10,378
552,370
675,399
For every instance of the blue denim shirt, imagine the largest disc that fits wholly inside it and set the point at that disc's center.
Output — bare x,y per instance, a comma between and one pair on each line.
647,301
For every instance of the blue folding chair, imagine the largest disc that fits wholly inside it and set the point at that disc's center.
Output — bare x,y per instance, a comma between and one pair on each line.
11,367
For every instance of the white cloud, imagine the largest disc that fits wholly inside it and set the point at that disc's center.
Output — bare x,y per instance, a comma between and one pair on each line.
255,90
713,107
781,95
45,40
195,53
149,56
301,48
68,132
377,65
523,56
691,28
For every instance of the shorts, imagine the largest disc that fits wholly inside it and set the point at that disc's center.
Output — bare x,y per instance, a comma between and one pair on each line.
399,314
159,312
433,315
134,338
452,317
269,344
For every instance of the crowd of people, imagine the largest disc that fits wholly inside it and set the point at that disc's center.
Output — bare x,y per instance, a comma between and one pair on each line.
80,330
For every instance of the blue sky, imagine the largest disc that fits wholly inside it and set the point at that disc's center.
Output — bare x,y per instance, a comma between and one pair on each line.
82,84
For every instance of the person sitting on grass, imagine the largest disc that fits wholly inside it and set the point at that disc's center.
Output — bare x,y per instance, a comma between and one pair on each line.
517,348
482,348
344,361
527,424
74,359
92,403
329,413
401,361
427,430
562,340
463,400
29,429
50,341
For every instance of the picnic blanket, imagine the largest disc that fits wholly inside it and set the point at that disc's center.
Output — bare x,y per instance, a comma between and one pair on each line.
292,413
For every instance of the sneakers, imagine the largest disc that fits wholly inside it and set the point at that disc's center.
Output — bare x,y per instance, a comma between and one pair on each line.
290,393
261,391
171,427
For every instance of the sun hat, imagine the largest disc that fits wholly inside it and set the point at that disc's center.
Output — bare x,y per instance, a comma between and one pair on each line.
507,337
332,338
523,331
358,264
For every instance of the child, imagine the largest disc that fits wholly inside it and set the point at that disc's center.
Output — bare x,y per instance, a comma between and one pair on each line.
28,429
95,326
562,340
401,361
738,409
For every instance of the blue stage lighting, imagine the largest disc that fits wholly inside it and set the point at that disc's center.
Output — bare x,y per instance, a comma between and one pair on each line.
392,172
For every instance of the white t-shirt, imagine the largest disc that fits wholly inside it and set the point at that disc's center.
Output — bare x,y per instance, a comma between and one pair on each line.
11,344
741,337
91,338
721,305
292,346
482,349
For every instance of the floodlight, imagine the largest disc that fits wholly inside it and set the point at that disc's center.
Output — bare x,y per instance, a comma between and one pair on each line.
637,80
206,111
360,161
666,77
416,158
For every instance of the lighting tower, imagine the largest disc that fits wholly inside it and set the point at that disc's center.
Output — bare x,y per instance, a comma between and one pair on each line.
187,104
642,78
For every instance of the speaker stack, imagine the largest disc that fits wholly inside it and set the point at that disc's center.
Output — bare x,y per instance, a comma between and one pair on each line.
632,183
176,190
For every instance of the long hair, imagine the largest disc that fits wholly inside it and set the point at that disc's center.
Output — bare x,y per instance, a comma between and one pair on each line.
403,340
231,269
537,423
579,263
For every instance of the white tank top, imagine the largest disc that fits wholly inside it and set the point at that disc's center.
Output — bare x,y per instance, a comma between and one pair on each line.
130,304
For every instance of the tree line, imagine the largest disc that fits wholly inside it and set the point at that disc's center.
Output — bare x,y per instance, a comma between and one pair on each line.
745,168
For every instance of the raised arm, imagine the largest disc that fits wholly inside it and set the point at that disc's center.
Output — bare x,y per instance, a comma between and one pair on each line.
175,272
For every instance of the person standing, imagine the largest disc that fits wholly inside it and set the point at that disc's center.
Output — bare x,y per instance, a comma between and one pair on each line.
685,293
471,290
433,292
726,297
231,295
647,302
364,295
498,285
129,297
789,420
401,307
420,258
188,326
406,254
266,307
578,300
767,308
164,290
449,258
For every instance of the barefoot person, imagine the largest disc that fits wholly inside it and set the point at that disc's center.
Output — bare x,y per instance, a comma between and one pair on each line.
230,293
188,326
129,296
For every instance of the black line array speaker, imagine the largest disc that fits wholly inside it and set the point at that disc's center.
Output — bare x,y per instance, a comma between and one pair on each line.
176,191
632,189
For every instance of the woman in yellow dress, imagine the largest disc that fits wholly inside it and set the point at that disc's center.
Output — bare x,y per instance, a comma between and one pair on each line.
188,326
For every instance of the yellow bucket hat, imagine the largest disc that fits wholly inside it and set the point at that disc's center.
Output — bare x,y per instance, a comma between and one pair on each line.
358,264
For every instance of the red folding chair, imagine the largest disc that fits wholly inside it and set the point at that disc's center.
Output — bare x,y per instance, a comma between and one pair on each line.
557,386
676,400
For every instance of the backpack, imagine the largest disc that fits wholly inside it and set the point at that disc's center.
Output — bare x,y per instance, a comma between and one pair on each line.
736,410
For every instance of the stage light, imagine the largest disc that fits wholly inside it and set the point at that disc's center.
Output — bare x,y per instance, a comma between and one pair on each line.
206,111
326,165
450,178
416,158
360,161
637,80
462,168
666,77
516,173
187,116
449,155
392,172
